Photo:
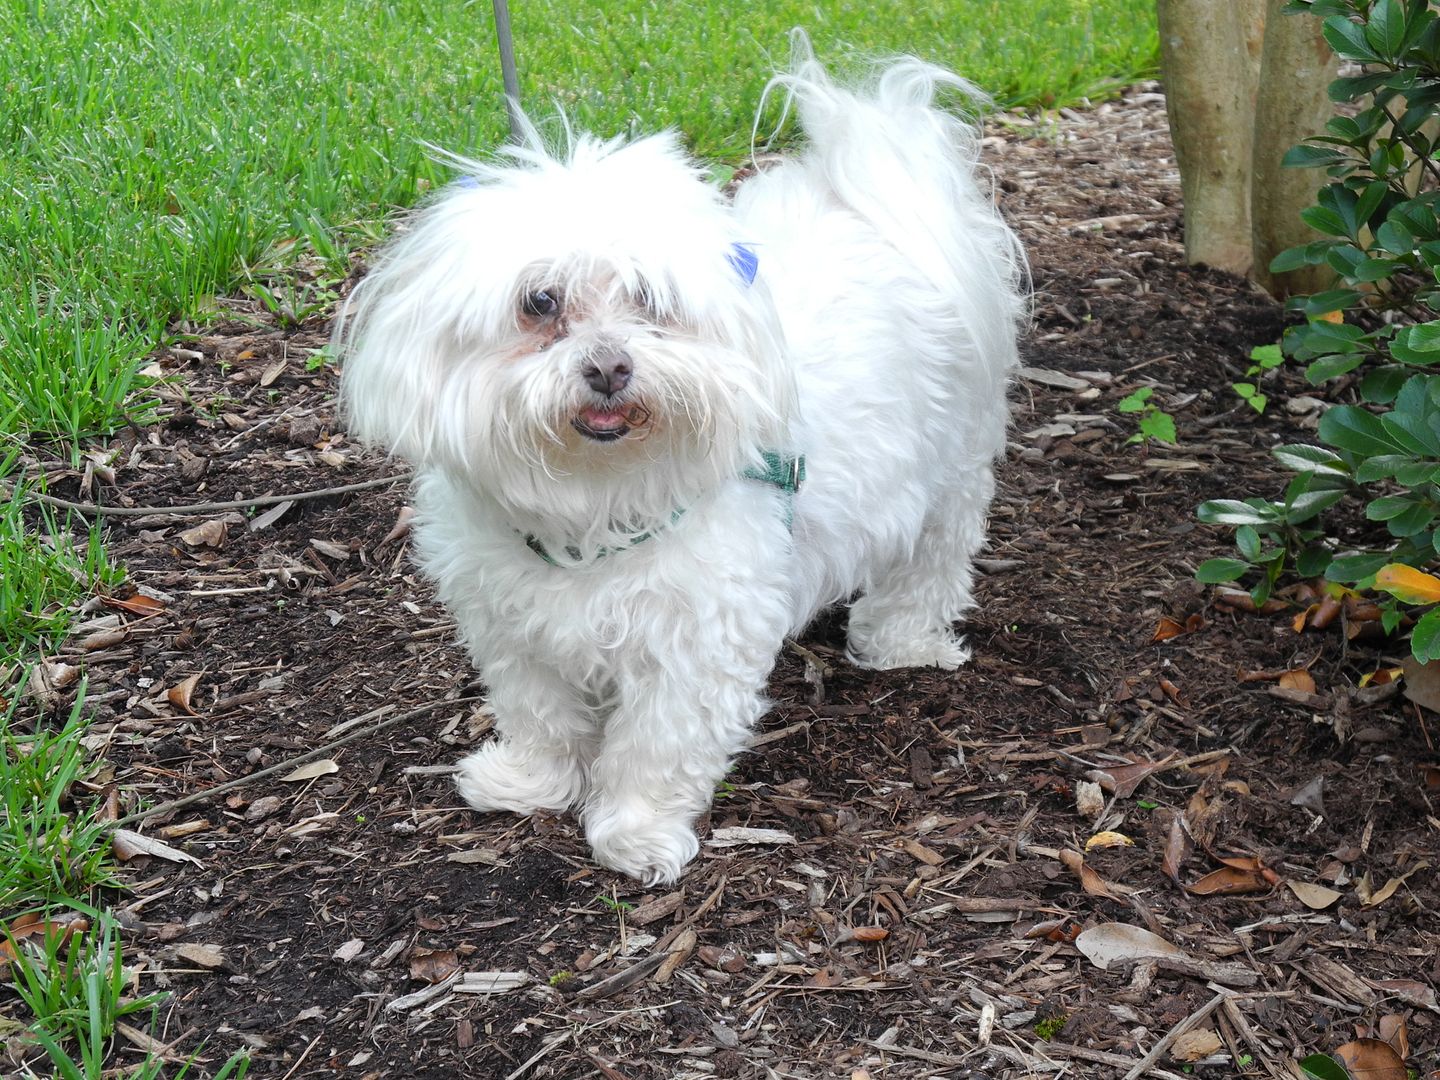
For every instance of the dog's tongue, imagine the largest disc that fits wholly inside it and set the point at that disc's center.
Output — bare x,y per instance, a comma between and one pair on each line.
597,419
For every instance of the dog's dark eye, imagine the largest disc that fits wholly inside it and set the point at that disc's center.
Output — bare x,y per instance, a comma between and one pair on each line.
540,304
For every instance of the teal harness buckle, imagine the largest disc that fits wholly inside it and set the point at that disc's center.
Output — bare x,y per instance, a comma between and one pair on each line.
786,472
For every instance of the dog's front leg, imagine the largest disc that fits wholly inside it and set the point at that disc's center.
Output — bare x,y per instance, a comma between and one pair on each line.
667,744
547,734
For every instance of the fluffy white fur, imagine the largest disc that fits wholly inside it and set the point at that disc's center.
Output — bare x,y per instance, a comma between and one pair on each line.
876,340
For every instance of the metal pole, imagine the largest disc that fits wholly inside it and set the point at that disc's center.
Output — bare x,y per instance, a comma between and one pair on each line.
507,67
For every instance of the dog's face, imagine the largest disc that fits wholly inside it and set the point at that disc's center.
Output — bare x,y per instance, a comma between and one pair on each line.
582,324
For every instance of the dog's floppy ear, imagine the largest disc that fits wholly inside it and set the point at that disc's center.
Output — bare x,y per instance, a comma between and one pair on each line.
395,339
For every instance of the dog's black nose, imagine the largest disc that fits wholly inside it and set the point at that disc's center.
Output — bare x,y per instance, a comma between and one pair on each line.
607,372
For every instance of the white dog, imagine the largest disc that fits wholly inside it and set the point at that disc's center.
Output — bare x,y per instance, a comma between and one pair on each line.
655,432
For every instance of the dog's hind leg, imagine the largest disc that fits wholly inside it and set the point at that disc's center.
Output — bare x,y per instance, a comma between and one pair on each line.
547,736
905,618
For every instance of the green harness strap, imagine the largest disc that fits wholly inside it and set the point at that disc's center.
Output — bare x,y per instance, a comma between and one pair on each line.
782,471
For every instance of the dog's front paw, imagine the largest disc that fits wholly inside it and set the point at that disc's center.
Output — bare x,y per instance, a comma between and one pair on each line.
940,649
635,840
501,776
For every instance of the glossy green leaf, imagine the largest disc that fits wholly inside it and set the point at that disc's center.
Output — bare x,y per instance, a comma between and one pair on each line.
1214,571
1302,457
1235,512
1425,638
1351,428
1348,39
1323,1067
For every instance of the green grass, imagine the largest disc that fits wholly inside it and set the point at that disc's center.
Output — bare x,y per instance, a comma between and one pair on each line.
45,568
161,151
49,852
67,973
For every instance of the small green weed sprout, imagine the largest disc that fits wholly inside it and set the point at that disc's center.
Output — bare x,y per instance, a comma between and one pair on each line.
1155,422
1263,358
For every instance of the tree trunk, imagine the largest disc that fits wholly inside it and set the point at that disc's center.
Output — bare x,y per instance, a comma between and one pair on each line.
1296,67
1209,56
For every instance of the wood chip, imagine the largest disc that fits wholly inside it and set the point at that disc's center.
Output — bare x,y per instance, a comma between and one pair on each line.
1057,379
491,982
920,853
680,951
205,956
655,910
736,835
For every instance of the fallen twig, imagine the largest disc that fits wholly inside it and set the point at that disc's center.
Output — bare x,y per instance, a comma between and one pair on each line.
99,510
1144,1065
290,763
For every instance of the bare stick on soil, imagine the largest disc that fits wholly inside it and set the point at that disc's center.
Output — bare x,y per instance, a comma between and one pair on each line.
290,763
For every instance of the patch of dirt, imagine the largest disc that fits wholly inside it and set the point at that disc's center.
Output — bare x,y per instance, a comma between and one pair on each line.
928,812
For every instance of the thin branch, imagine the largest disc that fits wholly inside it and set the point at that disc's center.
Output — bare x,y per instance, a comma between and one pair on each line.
98,510
290,763
1396,132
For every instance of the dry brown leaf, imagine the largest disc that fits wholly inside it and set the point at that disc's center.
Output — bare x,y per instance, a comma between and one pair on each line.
138,604
323,767
127,845
1111,943
1166,629
403,520
206,534
1177,849
1298,679
1089,799
32,925
1230,881
1195,1045
870,933
179,695
1122,780
433,965
1419,994
1243,601
273,372
1386,891
1302,617
1391,1029
1422,683
1371,1059
1065,930
1325,613
1090,881
1315,897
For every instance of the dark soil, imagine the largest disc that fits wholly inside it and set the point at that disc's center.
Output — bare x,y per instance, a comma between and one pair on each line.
929,811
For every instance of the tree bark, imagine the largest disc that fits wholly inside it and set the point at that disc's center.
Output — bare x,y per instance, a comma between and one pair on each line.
1210,58
1296,67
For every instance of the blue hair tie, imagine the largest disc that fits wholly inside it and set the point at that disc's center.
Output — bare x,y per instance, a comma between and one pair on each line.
746,263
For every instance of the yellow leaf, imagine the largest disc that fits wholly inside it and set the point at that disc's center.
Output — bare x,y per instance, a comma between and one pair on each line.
1108,840
1408,584
1330,317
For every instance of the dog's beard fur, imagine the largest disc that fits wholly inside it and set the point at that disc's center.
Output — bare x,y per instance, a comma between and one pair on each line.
473,383
564,346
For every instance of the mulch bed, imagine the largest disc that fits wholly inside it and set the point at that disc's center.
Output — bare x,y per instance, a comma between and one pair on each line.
924,823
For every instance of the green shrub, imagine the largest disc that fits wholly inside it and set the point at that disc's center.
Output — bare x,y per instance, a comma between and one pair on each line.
1378,325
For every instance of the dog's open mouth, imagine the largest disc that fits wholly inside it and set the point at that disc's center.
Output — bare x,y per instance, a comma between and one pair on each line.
606,424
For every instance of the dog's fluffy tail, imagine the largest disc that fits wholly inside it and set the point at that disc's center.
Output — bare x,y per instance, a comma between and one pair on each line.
890,153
